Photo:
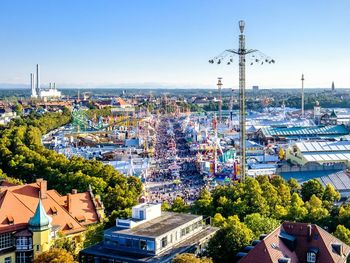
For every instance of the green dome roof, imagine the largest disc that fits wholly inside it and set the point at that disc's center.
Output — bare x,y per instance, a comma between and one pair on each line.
40,221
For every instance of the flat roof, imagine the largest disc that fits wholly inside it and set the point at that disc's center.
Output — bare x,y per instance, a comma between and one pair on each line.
306,131
100,250
157,226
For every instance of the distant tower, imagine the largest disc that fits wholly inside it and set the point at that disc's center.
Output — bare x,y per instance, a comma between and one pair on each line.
317,113
220,98
333,87
283,110
37,80
302,96
32,86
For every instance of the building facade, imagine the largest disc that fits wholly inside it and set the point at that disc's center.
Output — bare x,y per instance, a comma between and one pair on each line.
150,236
32,216
296,242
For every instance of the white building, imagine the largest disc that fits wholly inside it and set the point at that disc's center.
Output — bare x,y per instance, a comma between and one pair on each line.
150,236
43,93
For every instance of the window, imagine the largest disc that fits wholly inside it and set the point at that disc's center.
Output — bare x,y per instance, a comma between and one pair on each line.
122,241
53,210
142,214
24,243
128,242
21,257
164,241
150,245
143,244
311,257
37,247
7,260
135,243
183,232
6,241
10,220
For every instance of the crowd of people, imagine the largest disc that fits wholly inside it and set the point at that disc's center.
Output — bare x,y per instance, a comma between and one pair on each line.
175,172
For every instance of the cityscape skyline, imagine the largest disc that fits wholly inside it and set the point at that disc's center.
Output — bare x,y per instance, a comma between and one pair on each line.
169,44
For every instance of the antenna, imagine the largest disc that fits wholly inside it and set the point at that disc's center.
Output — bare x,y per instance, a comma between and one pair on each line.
255,57
302,96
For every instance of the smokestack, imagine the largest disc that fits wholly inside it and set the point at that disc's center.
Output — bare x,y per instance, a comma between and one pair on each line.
50,85
37,79
32,84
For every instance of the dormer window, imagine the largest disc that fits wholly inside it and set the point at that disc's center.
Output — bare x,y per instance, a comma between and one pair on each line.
53,210
80,218
10,220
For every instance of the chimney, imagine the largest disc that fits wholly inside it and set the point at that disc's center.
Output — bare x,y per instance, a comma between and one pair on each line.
69,203
74,191
43,187
309,232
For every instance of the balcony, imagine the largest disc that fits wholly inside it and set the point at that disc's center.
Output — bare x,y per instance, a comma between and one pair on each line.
24,247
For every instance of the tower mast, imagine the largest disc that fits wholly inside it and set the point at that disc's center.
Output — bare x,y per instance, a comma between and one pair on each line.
220,99
302,96
258,57
242,126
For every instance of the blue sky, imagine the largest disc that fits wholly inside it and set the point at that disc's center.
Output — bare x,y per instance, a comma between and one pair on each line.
169,42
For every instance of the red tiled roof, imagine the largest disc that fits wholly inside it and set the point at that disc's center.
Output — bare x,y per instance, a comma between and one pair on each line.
19,203
272,248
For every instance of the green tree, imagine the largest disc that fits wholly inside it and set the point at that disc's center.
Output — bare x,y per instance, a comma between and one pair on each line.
218,220
166,206
54,255
343,234
190,258
260,224
179,206
66,243
19,109
277,180
252,198
293,185
93,235
229,240
316,209
203,205
297,210
271,195
330,195
311,187
344,215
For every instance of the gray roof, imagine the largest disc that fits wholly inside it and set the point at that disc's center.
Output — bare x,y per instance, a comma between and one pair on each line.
198,238
156,227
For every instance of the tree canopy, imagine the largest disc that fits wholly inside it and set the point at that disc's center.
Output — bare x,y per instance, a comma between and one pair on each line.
22,156
54,255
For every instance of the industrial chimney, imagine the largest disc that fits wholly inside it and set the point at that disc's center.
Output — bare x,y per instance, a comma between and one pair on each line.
37,79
